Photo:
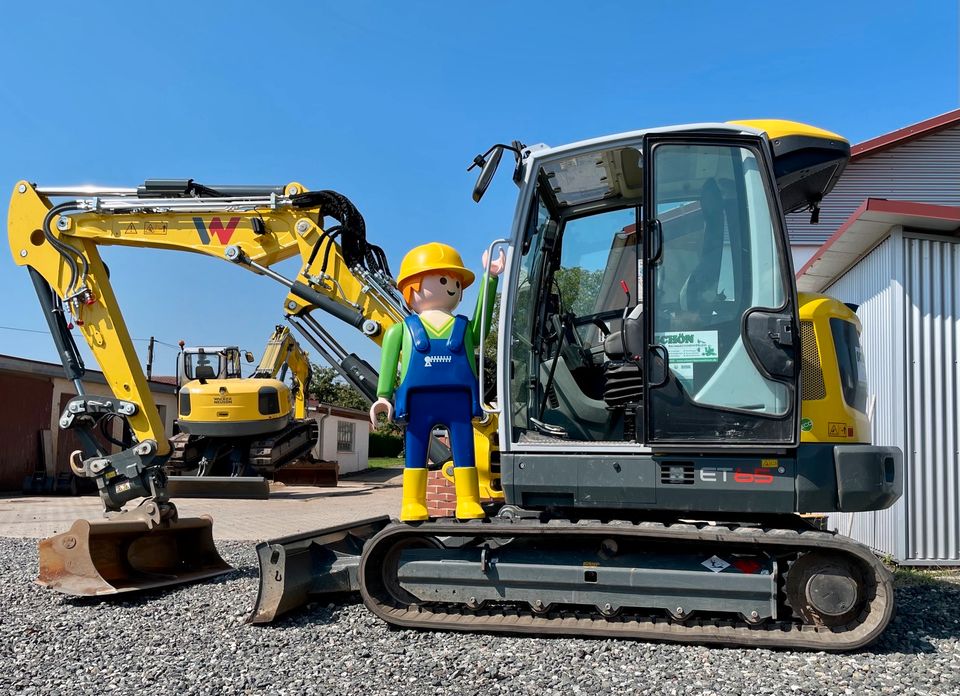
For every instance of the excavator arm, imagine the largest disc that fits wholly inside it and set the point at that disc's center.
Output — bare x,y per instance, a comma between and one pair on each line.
283,354
253,227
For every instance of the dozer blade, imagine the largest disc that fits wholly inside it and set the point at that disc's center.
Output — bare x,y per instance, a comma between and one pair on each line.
244,487
298,568
106,557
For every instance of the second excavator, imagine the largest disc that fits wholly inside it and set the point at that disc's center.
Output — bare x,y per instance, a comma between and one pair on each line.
232,425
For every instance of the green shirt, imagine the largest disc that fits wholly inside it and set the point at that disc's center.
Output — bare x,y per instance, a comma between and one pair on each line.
398,344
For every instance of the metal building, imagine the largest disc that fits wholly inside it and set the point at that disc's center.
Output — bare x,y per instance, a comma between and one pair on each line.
918,163
889,235
900,262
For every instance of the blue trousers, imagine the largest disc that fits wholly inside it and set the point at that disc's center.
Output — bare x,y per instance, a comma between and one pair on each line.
429,408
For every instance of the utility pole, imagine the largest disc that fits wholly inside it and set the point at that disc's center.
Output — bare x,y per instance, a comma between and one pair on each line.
150,358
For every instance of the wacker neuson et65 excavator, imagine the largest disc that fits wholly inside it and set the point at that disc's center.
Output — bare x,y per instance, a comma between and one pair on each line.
666,406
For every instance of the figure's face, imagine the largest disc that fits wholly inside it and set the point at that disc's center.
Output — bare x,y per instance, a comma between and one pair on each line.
437,291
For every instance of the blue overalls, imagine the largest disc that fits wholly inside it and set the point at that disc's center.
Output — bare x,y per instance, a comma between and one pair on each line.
439,388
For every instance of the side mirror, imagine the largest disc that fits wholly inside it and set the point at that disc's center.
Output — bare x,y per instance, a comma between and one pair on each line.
249,356
488,169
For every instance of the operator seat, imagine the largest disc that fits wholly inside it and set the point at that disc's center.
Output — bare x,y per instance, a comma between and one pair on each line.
623,373
613,344
703,280
205,372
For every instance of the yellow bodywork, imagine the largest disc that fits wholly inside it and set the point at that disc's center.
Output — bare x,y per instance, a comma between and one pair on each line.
828,418
237,400
234,401
486,453
780,128
283,349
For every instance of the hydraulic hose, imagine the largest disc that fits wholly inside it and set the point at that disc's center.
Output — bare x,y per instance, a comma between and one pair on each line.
357,251
64,249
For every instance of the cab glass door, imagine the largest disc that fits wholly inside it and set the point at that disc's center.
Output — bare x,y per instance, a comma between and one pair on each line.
721,361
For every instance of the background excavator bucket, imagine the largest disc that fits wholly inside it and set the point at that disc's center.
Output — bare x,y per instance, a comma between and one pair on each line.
105,557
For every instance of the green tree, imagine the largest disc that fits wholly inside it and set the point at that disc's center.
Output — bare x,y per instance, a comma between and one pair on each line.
579,289
328,387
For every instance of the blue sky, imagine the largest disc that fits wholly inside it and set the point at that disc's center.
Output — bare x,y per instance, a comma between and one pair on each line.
388,103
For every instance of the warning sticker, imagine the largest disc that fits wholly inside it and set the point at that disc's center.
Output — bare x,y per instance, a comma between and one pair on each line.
837,429
716,564
690,346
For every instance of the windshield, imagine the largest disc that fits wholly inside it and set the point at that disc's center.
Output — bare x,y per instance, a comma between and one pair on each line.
201,365
579,277
211,363
598,258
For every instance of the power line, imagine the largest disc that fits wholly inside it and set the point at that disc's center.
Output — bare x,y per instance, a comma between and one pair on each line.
13,328
37,331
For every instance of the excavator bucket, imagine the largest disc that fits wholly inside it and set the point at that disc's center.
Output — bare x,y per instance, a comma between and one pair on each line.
106,557
298,568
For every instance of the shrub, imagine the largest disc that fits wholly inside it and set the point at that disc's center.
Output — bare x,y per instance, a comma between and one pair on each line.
385,445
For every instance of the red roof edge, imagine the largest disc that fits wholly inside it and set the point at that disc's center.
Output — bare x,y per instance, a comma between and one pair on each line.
836,235
882,142
882,205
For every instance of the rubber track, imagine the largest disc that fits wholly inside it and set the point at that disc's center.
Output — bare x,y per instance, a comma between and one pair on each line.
870,623
265,461
303,434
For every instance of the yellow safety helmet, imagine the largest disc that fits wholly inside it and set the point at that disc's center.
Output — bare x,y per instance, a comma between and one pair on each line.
432,257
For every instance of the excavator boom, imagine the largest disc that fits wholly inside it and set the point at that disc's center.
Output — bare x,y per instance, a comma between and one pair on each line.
56,233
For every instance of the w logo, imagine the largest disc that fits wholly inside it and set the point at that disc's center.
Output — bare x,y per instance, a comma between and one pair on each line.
217,229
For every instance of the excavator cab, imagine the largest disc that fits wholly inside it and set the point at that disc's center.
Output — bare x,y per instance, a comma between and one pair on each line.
653,298
652,312
210,362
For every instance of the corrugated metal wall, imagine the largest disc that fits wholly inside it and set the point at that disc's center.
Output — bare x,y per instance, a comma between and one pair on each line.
871,285
909,291
926,170
932,284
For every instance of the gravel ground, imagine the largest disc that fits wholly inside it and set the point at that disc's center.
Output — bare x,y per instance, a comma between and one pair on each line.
193,640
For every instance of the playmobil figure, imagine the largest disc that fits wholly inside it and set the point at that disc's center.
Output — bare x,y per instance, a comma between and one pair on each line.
438,372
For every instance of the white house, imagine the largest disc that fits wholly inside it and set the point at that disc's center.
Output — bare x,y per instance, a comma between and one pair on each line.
344,436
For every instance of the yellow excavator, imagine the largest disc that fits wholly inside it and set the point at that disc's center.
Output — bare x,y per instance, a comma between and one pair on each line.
668,413
666,406
57,233
235,426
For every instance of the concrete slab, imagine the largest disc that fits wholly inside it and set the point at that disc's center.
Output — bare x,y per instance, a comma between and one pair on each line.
290,509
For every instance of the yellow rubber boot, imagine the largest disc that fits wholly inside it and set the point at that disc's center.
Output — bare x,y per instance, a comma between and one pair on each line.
466,482
414,505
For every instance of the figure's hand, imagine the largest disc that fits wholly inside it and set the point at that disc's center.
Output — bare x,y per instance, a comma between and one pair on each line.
379,406
495,267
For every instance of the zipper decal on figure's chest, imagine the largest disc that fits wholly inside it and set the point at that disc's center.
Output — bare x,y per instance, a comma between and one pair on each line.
429,360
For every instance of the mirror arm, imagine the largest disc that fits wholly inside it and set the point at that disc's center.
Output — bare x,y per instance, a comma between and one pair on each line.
481,160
